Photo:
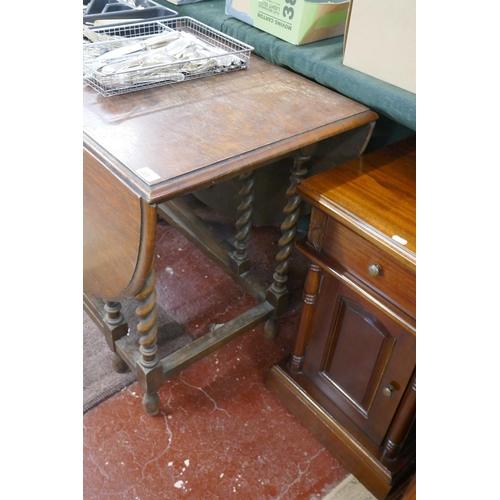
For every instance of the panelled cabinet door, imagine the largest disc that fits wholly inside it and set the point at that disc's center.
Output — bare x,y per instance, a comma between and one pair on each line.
359,356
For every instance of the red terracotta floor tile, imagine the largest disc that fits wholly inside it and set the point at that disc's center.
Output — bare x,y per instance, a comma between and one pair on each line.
220,433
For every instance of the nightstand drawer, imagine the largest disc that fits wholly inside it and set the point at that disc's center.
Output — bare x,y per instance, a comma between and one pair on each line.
370,264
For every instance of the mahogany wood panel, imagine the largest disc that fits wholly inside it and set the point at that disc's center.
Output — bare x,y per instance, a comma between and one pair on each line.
199,132
356,351
379,301
119,230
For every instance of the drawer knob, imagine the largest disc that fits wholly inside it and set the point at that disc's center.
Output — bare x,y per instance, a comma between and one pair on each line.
387,391
374,269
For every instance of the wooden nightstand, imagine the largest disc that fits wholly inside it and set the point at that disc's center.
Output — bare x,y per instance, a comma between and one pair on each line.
351,379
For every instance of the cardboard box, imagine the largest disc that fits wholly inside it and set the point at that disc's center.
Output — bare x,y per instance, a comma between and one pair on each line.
380,40
295,21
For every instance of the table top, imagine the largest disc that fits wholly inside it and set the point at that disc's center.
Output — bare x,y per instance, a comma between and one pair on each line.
375,195
167,141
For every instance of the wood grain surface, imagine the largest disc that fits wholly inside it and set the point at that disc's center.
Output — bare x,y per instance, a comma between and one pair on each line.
195,133
380,189
119,231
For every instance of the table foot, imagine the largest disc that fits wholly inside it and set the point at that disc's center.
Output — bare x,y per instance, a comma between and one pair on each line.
118,364
271,329
151,403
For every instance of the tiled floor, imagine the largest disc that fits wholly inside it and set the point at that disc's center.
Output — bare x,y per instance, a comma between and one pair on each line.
220,433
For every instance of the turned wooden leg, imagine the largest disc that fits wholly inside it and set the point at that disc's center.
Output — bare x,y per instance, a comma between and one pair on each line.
311,287
149,370
117,328
239,258
401,422
277,293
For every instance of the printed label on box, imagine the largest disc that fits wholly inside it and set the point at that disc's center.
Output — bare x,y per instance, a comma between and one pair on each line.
276,16
296,21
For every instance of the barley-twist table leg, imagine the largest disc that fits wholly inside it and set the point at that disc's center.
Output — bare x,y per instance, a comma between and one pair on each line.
277,293
149,371
240,261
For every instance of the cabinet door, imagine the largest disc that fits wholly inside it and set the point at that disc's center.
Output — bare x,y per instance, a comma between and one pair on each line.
359,356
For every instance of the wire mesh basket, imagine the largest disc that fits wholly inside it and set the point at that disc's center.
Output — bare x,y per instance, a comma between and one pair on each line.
129,57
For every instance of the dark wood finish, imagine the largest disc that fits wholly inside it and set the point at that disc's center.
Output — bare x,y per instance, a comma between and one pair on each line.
311,289
395,280
143,149
375,196
402,421
277,293
351,378
411,491
353,354
337,433
119,232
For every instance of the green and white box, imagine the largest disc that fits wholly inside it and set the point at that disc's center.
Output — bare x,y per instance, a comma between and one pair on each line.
295,21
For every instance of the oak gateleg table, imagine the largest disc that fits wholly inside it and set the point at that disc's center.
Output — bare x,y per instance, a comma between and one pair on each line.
143,151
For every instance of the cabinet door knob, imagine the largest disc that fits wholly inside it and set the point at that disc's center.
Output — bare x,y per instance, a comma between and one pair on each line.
387,391
374,269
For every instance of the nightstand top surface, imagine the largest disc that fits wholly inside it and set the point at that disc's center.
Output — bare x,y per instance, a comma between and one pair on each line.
374,194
